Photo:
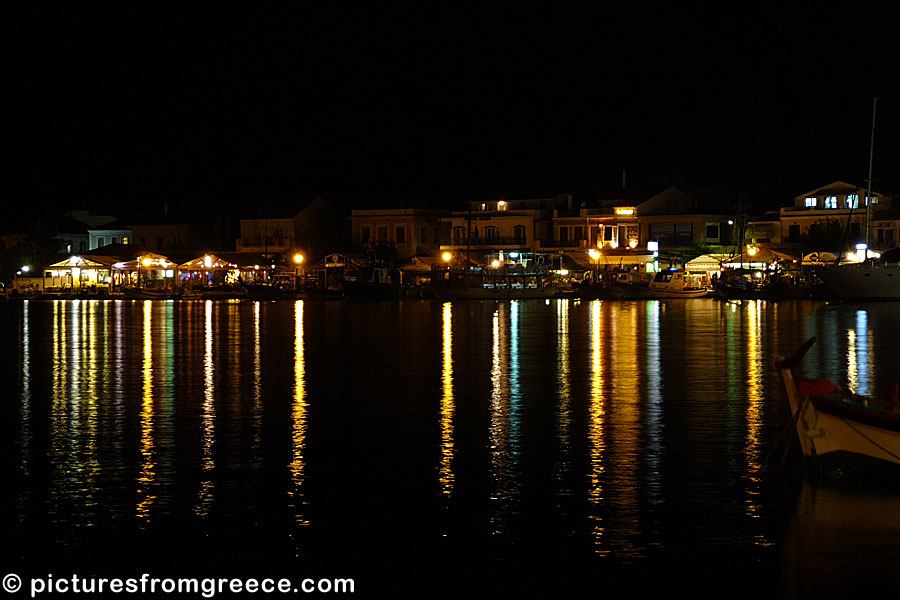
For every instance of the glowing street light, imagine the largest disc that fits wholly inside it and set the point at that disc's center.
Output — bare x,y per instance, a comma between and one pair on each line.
446,256
298,258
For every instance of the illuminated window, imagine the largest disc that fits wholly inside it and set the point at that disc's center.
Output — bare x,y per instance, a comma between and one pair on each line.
831,202
852,201
871,200
812,202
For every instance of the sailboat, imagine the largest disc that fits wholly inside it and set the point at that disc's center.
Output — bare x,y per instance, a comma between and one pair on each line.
872,279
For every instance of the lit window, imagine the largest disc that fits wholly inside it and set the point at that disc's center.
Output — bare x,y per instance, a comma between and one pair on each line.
871,200
831,202
812,202
852,201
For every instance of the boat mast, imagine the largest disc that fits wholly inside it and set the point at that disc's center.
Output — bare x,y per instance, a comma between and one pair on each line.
869,180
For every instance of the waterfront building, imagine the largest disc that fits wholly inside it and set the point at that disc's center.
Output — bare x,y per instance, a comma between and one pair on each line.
282,227
224,268
490,227
399,234
836,204
78,273
620,228
172,234
114,232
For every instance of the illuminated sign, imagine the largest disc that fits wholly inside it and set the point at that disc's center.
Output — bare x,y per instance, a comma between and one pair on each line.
625,211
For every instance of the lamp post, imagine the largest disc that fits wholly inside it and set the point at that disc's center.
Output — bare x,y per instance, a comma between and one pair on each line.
298,269
595,256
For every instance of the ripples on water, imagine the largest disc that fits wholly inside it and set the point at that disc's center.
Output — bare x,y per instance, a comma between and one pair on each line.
518,442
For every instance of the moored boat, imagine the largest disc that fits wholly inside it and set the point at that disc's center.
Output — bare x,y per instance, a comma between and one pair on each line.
870,280
671,283
836,427
227,292
150,293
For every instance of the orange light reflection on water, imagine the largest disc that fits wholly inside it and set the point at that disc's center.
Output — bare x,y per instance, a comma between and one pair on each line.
445,469
299,418
147,475
596,434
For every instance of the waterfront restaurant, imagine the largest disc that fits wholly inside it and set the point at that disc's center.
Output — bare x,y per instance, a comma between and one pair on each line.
226,268
78,272
147,270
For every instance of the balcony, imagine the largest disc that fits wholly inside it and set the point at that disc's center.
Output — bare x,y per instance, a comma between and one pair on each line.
492,242
271,244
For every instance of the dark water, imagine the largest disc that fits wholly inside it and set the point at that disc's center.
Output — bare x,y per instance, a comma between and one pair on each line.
425,449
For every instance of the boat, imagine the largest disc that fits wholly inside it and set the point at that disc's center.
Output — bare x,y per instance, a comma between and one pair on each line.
838,428
373,283
529,279
671,283
871,279
226,292
875,279
150,293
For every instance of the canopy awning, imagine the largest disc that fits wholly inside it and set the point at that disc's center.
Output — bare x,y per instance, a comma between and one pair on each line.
624,259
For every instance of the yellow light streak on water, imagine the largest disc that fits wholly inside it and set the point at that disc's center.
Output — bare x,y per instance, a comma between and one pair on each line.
596,436
447,403
299,418
753,344
59,413
564,392
147,475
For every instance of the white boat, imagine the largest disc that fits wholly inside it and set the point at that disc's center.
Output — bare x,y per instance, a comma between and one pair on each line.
665,284
871,280
837,427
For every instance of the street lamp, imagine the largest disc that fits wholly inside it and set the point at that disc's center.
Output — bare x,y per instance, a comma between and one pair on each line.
595,256
298,270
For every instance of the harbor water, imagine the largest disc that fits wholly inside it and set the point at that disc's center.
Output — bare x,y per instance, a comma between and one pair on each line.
427,449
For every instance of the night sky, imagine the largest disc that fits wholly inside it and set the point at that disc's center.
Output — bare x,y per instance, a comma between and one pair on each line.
434,105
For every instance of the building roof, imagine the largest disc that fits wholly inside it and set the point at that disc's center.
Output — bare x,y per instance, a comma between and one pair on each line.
278,207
